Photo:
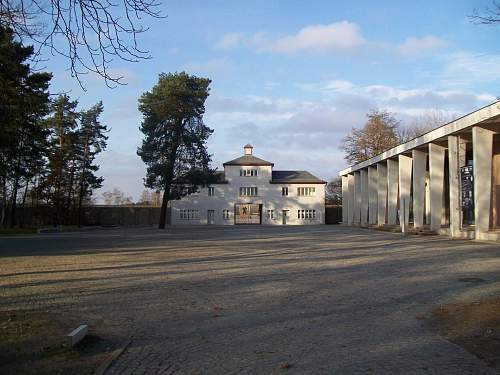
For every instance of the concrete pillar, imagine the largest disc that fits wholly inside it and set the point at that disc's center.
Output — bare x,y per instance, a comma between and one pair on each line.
405,163
372,195
357,198
364,196
419,172
350,202
427,198
436,171
482,148
345,199
462,152
454,181
392,191
382,192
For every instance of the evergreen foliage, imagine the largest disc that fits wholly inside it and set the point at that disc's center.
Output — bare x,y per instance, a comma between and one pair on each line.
24,100
174,146
47,149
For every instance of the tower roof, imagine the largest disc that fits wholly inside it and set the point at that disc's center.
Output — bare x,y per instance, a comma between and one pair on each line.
248,160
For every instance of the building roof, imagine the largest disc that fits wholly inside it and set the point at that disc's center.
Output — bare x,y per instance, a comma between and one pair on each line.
248,160
295,177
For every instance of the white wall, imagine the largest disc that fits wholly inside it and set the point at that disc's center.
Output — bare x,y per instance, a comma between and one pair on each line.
269,195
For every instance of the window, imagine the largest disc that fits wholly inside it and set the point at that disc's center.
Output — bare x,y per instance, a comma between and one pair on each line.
189,214
284,191
225,214
211,191
270,214
248,191
306,191
248,172
306,214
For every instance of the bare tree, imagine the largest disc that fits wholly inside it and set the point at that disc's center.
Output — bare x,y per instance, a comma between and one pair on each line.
333,191
488,16
379,134
146,198
116,198
91,34
424,123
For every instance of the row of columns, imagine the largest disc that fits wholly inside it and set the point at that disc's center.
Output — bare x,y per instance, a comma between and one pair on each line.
374,195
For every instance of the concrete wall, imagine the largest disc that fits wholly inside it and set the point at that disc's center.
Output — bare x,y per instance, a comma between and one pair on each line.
94,215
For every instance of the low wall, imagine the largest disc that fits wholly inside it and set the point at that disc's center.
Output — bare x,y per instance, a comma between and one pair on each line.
122,215
94,215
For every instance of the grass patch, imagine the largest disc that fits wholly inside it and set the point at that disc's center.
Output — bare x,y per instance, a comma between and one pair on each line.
33,343
474,326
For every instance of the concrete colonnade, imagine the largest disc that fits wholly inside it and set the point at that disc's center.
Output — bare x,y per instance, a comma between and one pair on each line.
414,182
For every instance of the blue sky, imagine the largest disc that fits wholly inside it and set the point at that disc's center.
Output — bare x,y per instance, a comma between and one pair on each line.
293,77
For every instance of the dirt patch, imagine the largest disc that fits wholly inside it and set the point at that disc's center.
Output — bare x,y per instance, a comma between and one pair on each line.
474,326
33,342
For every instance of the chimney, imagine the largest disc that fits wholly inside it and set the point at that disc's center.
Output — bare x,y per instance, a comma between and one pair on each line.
248,149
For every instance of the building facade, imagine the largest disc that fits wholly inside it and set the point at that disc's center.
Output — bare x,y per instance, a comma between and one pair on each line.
447,181
249,191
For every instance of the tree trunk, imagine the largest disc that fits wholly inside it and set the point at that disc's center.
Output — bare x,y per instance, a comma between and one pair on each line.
3,214
57,195
13,207
24,202
81,192
68,205
15,185
163,210
80,205
168,183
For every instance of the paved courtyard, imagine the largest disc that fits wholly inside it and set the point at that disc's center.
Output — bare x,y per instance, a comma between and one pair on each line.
243,300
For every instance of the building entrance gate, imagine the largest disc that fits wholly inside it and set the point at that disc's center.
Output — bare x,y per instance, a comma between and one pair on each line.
247,213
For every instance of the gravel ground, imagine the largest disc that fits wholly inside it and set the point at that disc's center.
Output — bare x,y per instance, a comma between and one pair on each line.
255,300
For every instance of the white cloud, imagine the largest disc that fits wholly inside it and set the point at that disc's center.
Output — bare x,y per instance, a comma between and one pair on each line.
413,46
306,133
463,69
229,40
417,101
332,86
271,84
336,37
338,85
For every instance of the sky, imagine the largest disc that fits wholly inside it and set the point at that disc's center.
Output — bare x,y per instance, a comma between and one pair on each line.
293,77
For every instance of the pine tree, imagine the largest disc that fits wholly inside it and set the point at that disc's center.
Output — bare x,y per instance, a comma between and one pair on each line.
174,145
23,103
57,187
91,141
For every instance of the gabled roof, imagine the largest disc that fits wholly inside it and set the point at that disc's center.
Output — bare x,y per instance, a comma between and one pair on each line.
295,177
248,160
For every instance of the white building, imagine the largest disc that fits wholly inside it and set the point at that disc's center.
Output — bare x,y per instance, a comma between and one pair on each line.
250,192
447,180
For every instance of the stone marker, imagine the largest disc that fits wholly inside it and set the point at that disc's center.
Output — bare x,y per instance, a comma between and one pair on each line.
77,335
